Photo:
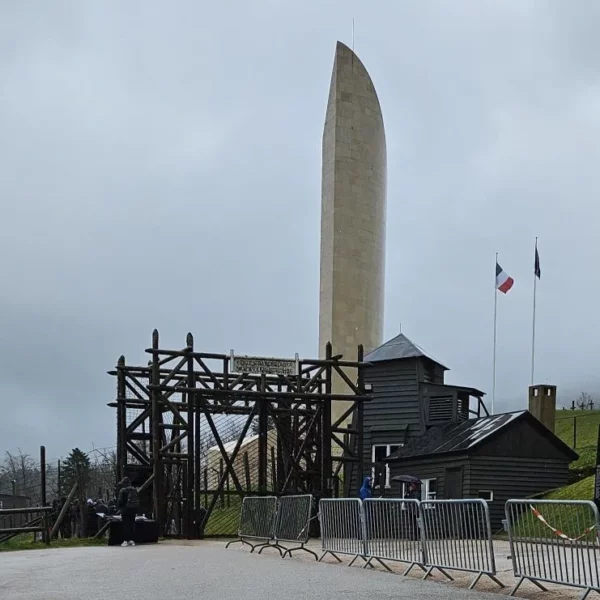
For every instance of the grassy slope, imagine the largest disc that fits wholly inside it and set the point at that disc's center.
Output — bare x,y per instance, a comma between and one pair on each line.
582,490
587,439
587,434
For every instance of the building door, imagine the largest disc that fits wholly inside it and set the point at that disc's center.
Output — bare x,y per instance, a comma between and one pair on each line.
453,483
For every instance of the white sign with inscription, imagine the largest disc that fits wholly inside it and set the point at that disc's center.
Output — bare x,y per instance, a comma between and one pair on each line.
264,364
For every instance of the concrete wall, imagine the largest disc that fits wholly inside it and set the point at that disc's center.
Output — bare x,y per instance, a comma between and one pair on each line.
353,207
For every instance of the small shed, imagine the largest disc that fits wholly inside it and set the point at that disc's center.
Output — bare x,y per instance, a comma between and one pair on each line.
499,457
10,501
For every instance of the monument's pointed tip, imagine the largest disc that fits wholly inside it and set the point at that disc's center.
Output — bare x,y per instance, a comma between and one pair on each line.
341,47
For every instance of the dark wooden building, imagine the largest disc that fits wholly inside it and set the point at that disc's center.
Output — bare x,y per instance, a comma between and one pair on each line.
418,425
409,397
511,455
10,501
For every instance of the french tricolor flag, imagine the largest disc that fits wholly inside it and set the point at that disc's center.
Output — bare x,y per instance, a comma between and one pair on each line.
503,281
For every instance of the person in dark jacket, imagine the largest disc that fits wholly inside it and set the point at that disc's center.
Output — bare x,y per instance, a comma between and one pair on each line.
365,491
413,491
128,503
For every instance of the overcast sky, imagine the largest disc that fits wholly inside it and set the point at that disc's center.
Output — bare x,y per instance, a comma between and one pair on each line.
160,167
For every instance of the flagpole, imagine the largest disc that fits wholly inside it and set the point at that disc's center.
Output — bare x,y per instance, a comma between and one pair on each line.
495,319
533,326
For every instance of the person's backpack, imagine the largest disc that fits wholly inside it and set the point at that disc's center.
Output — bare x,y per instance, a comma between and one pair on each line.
133,498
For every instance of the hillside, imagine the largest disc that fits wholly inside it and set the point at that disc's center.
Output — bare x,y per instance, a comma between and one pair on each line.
584,439
585,436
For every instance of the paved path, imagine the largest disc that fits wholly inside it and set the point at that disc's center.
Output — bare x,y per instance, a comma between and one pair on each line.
166,571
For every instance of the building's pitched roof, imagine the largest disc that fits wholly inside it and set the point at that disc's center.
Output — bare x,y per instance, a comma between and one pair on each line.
399,347
465,436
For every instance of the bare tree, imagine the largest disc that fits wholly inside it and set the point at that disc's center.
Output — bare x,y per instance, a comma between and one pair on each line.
584,401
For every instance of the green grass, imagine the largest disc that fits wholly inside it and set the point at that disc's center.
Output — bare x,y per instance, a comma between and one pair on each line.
24,542
574,521
224,520
587,435
582,490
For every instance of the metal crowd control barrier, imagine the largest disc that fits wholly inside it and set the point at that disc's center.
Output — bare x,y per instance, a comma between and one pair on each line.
257,521
554,541
342,528
457,535
392,532
292,523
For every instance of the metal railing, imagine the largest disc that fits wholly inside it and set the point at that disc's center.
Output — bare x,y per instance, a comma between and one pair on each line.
257,521
14,521
342,528
457,535
392,532
554,541
292,523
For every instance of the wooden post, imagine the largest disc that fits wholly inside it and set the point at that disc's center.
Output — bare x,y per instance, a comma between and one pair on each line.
63,511
197,457
247,472
273,470
205,486
157,484
358,421
263,424
59,481
221,471
43,475
121,418
189,520
327,436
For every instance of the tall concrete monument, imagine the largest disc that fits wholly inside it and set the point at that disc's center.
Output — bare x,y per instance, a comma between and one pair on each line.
353,206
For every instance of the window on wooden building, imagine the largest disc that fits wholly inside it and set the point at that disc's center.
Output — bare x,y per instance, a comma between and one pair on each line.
379,452
428,489
486,495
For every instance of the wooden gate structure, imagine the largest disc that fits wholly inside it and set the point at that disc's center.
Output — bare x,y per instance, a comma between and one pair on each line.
196,437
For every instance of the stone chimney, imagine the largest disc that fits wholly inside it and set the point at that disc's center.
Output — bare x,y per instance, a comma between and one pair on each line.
542,404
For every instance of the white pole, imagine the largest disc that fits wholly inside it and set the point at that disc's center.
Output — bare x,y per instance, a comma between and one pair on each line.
533,327
495,319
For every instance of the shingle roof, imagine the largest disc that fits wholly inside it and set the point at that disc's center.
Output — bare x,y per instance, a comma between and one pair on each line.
399,347
463,437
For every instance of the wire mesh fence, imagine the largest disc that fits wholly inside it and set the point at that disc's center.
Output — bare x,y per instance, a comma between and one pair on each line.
554,541
257,521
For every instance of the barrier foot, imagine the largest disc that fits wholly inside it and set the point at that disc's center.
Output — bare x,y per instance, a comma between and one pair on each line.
332,554
587,593
276,546
240,541
383,565
475,581
537,583
428,573
358,556
261,546
496,580
410,568
290,550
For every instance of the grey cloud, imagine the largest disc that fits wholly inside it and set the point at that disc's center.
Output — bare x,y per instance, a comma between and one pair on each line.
161,168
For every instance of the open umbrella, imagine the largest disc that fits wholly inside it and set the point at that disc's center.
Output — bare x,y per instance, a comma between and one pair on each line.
406,479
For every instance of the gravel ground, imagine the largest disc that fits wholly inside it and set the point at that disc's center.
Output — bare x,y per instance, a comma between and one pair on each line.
208,570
